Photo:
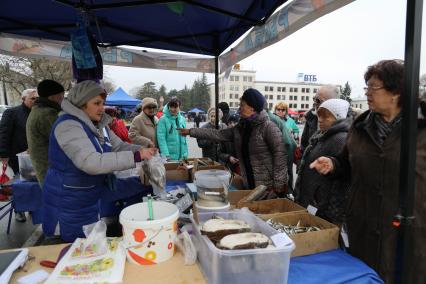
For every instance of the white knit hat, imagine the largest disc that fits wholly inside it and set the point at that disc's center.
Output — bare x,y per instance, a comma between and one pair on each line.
338,107
212,111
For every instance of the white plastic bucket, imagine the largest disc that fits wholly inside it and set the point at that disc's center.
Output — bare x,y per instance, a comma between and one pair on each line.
149,242
205,209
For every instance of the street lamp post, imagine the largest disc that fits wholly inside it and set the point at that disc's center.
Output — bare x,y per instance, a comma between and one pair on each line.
6,68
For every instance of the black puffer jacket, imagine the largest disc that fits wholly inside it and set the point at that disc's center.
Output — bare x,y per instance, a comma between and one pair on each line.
312,188
311,126
267,156
211,149
13,137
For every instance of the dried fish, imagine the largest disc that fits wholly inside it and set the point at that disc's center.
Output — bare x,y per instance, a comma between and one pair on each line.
290,229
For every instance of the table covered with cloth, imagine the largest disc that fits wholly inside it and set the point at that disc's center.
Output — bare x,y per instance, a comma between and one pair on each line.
329,267
27,197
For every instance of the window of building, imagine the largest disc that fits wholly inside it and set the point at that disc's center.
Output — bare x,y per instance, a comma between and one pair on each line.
308,90
270,105
266,88
283,97
266,96
249,79
303,90
237,78
231,104
295,105
231,78
245,78
271,89
290,105
271,97
291,90
230,96
283,89
295,90
315,90
279,97
291,98
360,106
236,96
231,87
237,104
237,88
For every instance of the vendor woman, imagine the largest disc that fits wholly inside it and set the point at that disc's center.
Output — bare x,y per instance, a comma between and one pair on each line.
83,152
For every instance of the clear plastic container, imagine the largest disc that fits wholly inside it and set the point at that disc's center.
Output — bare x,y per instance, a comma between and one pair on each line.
210,187
269,265
26,169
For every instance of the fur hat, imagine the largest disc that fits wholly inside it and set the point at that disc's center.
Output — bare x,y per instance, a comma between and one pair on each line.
47,88
83,92
254,99
339,108
149,101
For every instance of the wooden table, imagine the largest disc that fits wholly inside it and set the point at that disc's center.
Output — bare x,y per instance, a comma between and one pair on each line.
171,271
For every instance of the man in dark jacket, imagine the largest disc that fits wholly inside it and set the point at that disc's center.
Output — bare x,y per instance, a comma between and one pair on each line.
311,126
13,139
224,107
43,115
197,120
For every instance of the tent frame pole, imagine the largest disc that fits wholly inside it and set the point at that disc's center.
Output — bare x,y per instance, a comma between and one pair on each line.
407,184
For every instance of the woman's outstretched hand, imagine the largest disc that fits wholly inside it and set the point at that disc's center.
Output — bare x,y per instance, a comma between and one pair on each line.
323,165
183,131
147,153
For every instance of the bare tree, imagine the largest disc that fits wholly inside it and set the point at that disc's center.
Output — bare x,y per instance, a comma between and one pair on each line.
20,73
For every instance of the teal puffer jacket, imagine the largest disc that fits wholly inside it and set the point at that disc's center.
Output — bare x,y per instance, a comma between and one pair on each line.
170,142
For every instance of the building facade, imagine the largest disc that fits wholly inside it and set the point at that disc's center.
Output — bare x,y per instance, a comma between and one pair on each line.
298,95
360,103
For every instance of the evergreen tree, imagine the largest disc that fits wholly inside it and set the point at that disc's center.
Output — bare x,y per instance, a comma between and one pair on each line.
147,90
345,92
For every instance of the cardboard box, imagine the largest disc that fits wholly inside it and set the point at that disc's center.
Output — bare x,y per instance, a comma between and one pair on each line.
311,242
268,208
237,195
173,172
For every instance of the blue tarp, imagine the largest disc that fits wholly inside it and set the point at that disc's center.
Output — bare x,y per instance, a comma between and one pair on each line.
122,99
202,26
196,110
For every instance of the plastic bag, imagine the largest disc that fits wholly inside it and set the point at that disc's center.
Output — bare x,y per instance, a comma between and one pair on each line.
156,172
95,243
186,246
6,174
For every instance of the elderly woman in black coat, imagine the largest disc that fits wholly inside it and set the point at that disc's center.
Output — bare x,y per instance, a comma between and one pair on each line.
327,195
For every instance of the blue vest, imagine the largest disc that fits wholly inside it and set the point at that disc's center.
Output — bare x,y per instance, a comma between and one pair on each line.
70,195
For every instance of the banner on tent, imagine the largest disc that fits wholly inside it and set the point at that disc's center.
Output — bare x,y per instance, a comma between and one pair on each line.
119,56
283,23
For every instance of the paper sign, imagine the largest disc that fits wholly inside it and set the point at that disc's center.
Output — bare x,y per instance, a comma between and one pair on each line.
281,240
312,210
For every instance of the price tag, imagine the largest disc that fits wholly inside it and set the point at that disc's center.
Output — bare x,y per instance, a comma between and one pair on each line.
281,240
312,210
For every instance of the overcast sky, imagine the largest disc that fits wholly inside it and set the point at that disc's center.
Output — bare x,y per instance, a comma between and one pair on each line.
337,48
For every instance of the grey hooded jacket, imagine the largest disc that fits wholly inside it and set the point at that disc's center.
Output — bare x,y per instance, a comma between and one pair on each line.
77,146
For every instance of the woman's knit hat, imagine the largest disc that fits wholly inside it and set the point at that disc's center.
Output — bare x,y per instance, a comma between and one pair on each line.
149,102
339,108
47,88
254,99
83,92
212,111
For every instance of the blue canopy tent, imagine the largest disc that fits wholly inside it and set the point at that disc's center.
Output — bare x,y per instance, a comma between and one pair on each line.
122,99
195,110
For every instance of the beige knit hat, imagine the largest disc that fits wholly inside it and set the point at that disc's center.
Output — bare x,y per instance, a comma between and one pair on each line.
212,111
149,101
84,92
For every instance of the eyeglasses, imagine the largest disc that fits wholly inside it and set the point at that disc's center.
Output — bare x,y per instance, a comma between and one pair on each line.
372,88
280,109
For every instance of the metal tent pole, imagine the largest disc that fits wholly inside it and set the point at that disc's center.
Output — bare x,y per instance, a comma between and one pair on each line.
404,218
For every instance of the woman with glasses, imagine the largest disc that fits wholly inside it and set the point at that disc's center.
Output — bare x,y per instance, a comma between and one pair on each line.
143,128
371,161
171,144
281,110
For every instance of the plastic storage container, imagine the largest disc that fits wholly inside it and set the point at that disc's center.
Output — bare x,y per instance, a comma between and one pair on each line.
26,169
210,187
269,265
